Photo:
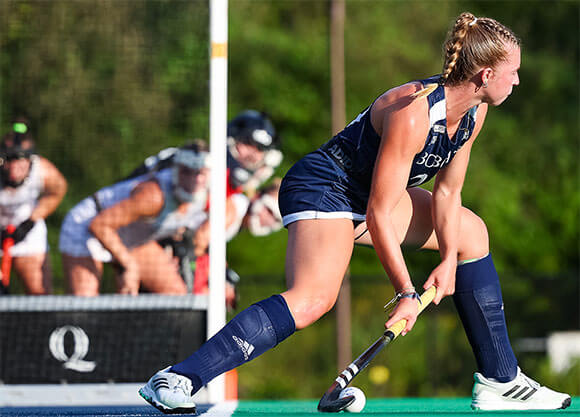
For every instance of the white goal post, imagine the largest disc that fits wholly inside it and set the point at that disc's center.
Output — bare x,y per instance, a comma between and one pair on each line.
216,317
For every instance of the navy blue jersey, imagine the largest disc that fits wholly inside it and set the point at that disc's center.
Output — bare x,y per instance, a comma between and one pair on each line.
335,180
356,147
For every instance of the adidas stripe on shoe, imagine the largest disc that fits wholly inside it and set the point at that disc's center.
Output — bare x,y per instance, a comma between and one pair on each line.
523,393
169,392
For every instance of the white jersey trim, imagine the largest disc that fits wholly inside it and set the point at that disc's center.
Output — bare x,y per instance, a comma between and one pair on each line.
437,112
314,214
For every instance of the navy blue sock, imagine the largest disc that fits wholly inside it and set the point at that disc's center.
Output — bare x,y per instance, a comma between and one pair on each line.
480,305
252,332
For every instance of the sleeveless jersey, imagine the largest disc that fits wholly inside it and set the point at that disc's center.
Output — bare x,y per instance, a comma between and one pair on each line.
17,204
356,147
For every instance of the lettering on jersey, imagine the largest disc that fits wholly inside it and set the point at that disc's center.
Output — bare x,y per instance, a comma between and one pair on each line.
430,160
338,153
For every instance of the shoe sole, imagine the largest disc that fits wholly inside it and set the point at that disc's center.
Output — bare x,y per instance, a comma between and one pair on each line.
165,410
519,406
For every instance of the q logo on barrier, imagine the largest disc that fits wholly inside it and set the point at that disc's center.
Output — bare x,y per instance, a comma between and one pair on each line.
75,361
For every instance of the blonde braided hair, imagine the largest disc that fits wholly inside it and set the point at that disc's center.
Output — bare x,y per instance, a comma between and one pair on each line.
472,43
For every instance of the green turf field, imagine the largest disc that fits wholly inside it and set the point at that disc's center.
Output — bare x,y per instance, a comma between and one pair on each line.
406,407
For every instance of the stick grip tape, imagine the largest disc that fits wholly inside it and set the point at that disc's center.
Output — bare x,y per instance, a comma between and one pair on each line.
426,299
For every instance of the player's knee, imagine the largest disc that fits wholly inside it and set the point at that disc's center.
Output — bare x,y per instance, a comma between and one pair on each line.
309,309
474,242
36,289
83,288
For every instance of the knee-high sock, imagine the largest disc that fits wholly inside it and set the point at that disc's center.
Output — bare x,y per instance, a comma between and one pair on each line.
252,332
480,305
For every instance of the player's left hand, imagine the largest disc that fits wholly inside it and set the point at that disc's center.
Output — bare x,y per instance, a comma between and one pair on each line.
443,277
406,309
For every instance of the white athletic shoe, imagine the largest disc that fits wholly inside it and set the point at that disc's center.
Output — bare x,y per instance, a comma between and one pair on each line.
169,392
522,393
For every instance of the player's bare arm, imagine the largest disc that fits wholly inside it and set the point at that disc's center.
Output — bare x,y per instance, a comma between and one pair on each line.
404,129
446,215
145,201
55,186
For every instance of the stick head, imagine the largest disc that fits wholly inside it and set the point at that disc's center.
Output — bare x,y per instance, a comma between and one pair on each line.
331,401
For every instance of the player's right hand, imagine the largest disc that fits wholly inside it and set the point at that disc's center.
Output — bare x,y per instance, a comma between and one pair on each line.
443,277
406,309
129,279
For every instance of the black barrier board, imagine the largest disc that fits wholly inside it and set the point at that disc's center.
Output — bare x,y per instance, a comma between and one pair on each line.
95,346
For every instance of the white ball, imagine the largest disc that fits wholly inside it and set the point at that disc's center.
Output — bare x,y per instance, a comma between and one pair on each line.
359,399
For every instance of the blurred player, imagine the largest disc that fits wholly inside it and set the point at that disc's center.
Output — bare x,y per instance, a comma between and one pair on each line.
122,223
252,153
31,188
251,160
251,157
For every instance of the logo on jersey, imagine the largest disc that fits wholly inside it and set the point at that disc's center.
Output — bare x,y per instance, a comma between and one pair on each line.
417,180
244,346
465,134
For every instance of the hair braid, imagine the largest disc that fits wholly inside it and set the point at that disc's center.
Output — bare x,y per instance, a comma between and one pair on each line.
471,44
454,44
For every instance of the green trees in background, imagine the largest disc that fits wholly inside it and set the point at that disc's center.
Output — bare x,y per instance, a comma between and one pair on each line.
107,83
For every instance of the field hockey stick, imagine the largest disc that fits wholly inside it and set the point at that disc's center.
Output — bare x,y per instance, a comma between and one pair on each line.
330,401
6,256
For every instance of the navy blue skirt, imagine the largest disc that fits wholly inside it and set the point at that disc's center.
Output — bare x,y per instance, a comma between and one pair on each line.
317,188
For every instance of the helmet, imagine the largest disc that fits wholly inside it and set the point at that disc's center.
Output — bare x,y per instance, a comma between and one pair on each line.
193,156
17,144
254,128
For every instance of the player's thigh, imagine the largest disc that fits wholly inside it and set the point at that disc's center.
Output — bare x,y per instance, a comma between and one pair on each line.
411,219
317,257
34,272
414,226
158,272
83,274
472,242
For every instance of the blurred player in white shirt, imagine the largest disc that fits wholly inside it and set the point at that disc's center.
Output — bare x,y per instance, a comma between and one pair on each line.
31,188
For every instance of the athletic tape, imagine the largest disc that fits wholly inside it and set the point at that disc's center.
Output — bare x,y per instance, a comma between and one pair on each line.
219,50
